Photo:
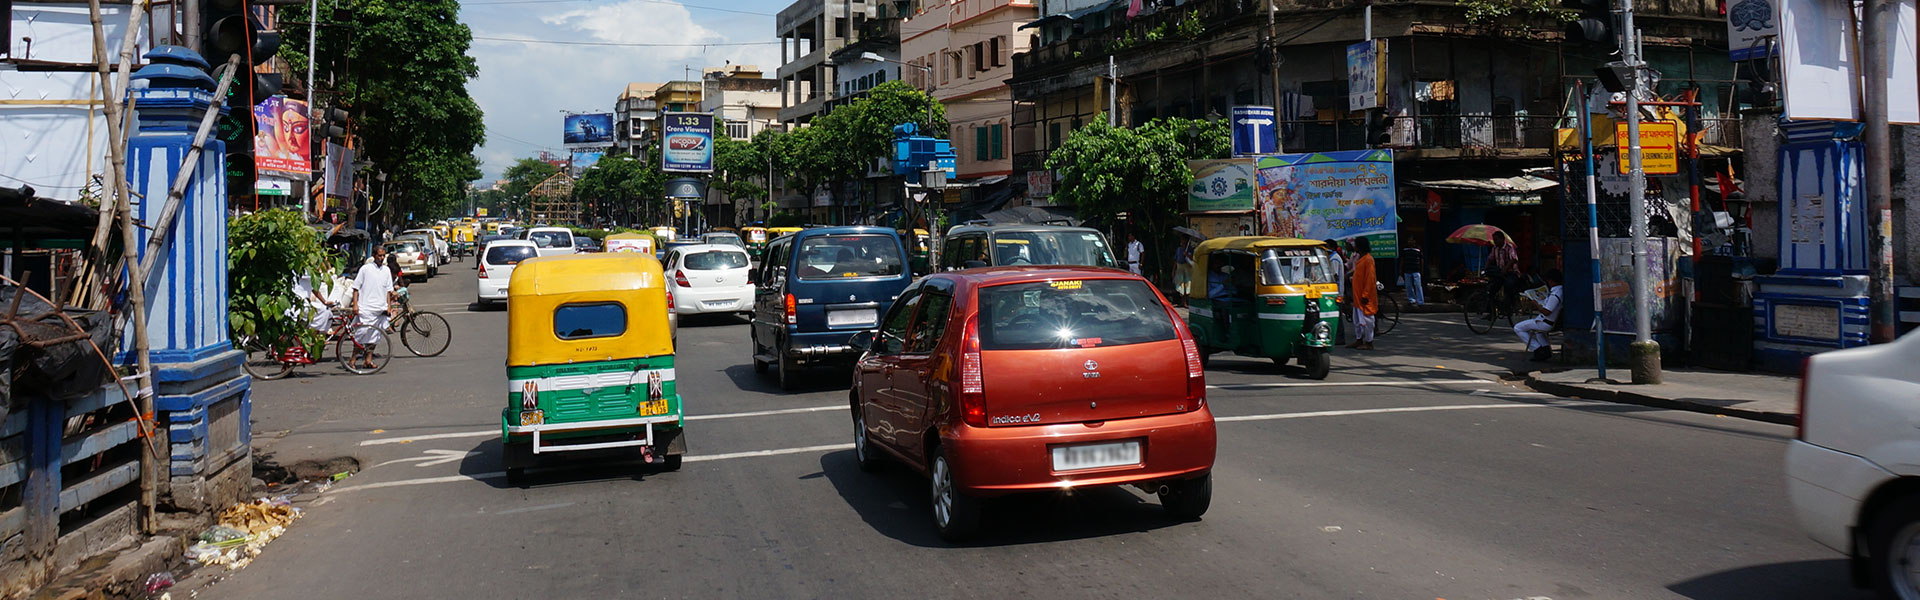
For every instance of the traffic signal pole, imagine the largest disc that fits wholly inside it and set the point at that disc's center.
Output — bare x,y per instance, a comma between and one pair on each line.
1877,18
313,39
1644,353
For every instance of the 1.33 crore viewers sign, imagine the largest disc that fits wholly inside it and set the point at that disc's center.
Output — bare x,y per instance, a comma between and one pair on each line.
1329,195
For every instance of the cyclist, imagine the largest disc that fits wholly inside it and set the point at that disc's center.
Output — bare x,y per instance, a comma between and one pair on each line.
373,293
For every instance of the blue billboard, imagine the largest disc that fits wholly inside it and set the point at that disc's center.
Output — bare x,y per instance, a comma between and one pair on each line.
593,128
686,142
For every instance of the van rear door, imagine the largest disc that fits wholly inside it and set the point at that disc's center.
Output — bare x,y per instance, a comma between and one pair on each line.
844,281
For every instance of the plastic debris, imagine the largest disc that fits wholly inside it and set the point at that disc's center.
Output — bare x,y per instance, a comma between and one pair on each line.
342,475
159,581
220,534
243,531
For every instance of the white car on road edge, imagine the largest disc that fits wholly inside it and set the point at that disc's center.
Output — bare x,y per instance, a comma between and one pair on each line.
496,267
709,278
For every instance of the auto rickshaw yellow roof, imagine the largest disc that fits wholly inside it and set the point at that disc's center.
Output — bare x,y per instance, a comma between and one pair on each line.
572,273
1256,242
542,285
629,236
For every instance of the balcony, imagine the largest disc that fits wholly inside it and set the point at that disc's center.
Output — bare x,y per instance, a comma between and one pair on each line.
1463,136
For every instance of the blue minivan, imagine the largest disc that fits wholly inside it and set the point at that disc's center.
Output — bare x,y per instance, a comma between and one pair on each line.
815,289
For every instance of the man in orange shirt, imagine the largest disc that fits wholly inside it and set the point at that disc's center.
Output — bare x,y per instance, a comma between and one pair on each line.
1366,295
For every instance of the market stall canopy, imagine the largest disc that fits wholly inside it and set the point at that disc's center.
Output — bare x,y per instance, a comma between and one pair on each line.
1517,190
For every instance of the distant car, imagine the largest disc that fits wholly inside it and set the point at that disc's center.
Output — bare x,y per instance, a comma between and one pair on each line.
818,287
972,246
429,253
414,258
552,241
1853,470
729,239
585,244
709,278
1031,379
496,267
442,250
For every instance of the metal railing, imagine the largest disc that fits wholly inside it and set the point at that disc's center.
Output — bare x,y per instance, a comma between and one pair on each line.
1468,132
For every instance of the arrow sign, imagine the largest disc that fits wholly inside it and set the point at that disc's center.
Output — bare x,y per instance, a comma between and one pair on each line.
1256,121
433,458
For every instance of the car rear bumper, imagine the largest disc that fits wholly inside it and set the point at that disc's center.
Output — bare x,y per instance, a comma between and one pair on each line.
991,461
712,300
1826,488
820,346
493,290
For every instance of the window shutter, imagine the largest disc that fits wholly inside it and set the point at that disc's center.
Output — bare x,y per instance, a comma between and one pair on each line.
999,141
980,149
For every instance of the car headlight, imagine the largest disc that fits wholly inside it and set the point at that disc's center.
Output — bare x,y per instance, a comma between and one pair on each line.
1322,332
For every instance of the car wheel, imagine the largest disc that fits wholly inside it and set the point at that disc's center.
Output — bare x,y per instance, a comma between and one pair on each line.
1893,551
787,372
1187,499
955,515
861,453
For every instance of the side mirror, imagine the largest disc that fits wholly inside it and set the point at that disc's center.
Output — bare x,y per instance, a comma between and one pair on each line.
862,341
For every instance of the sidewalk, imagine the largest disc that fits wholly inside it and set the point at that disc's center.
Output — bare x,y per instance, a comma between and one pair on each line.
1760,397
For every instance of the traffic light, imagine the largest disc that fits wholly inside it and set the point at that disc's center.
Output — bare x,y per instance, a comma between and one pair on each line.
228,28
1595,25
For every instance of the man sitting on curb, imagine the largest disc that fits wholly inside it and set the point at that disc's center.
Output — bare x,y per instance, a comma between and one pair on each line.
1534,331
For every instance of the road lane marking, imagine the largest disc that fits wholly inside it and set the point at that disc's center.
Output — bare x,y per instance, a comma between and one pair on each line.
1371,411
503,475
488,432
1415,382
801,450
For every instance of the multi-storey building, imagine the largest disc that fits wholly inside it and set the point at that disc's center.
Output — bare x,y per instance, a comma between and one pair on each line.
966,47
809,31
634,115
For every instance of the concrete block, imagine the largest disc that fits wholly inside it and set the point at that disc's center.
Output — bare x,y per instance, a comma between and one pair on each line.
105,533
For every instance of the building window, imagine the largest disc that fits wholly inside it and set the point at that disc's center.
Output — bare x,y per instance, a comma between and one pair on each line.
979,57
737,130
981,151
993,49
1053,136
999,141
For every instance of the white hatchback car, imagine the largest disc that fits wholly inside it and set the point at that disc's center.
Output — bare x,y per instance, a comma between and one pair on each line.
1853,472
496,267
551,240
709,278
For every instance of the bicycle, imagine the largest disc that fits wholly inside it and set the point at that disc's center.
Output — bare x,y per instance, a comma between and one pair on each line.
1488,305
269,362
426,334
1390,309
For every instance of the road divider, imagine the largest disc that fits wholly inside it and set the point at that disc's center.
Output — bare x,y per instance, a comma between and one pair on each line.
1371,411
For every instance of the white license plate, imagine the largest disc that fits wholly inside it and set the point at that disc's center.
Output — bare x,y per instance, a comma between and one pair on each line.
717,303
864,316
1094,456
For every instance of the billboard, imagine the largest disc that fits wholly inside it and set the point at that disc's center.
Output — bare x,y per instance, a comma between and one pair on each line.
1367,75
280,141
1221,185
585,159
592,128
686,142
1329,196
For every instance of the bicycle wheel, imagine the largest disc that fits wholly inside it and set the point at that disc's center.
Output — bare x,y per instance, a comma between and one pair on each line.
1389,315
353,354
426,334
263,362
1479,311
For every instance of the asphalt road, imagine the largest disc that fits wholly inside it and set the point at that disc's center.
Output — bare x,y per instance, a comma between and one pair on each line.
1392,484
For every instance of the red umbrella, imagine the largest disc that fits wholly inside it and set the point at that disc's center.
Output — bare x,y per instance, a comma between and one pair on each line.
1478,235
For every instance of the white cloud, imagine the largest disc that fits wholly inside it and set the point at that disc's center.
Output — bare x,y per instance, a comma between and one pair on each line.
523,87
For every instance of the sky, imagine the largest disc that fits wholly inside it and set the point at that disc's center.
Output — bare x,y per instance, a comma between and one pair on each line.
525,88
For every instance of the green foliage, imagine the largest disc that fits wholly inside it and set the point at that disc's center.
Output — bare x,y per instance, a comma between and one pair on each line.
406,90
629,184
521,177
1487,11
736,166
786,219
1105,171
268,250
841,144
1191,27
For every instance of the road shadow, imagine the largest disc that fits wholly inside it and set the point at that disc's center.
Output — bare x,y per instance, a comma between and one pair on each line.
1823,579
810,380
485,462
712,320
893,500
477,306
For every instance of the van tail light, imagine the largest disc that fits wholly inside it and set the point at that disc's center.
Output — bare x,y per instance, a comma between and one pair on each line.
973,389
1800,421
793,315
1196,375
680,277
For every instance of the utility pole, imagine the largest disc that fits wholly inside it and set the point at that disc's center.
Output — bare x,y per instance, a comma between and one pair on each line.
1644,353
1113,93
1877,18
313,101
1273,41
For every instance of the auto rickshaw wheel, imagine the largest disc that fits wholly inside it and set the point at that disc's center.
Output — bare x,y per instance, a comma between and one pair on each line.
1318,363
670,462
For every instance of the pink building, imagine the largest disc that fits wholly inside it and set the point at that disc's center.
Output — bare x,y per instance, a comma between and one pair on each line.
969,46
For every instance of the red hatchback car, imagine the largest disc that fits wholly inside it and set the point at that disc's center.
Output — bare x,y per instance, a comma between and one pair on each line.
1025,379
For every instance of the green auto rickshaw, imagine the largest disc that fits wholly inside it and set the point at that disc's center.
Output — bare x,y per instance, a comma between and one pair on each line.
1265,297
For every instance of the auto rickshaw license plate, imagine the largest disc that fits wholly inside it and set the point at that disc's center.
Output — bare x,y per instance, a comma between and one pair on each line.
532,417
656,407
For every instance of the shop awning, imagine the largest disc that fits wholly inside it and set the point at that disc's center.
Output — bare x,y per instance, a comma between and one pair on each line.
1521,190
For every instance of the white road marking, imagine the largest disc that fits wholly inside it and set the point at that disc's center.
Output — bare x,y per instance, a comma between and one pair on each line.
534,508
488,432
434,456
1415,382
1370,411
801,450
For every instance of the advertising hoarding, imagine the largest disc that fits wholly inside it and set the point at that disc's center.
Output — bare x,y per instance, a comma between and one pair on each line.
585,159
281,143
1221,185
1329,195
1366,75
591,128
686,143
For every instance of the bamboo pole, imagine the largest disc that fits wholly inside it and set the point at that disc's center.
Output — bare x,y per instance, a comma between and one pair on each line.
119,120
162,225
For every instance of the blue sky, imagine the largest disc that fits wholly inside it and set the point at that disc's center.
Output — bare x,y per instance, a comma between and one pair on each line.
525,87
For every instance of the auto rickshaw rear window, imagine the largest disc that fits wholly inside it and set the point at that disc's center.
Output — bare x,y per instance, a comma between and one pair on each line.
1083,314
582,321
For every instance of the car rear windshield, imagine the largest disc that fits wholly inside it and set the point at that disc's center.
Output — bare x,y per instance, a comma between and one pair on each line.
857,255
731,240
1090,313
403,247
551,239
509,255
715,260
600,319
1052,248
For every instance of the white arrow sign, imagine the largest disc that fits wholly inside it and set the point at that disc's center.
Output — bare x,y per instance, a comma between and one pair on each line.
1256,121
433,458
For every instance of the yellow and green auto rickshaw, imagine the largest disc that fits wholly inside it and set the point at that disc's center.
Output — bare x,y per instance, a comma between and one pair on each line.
1265,297
775,232
756,238
589,361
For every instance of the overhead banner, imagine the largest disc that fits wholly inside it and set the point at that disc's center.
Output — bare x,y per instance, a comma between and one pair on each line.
592,128
1366,75
1329,196
686,142
1221,185
280,142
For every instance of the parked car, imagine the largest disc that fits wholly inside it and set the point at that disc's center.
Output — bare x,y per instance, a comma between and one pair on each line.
972,246
709,278
817,288
552,241
496,267
414,258
1026,379
442,250
1853,470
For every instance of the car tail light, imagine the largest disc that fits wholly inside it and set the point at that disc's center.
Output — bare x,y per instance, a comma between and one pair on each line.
1196,375
973,389
680,277
793,315
483,270
1800,420
670,304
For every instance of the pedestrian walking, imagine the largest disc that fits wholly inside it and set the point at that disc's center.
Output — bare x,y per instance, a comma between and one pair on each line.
1135,251
1413,265
1366,294
1338,266
372,302
1534,331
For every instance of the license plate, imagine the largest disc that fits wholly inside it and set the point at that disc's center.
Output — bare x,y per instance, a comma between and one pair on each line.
656,407
532,417
1094,456
865,316
717,303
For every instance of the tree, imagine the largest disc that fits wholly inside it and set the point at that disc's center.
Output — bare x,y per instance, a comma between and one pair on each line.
522,176
269,249
634,186
1142,172
406,90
